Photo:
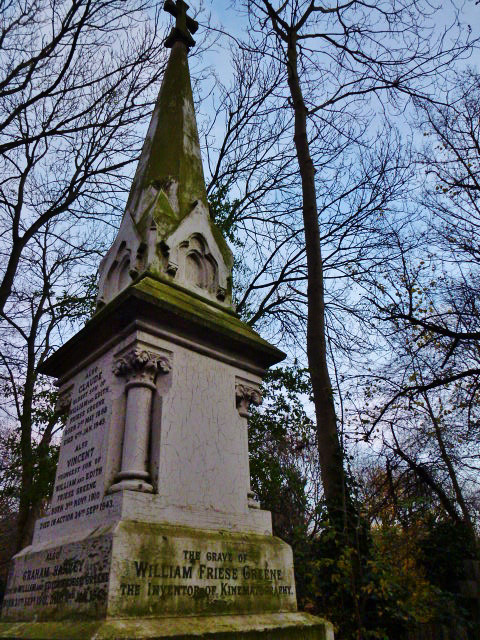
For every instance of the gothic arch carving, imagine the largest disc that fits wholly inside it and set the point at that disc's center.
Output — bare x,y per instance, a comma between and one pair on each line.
118,275
196,265
123,278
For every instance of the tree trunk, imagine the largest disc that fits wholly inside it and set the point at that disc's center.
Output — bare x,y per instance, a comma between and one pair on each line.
28,504
329,450
451,472
24,523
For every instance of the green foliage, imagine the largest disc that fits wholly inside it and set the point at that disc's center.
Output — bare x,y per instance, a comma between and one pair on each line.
39,419
281,437
45,461
224,213
443,549
388,596
395,577
441,537
277,433
79,308
44,453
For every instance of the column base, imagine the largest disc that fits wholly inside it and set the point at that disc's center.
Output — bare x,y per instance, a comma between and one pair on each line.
131,485
276,626
252,503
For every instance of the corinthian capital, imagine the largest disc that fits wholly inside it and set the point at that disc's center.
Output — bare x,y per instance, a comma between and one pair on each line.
141,365
64,401
245,395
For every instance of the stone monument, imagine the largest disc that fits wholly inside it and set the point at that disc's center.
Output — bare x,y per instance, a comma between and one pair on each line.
152,530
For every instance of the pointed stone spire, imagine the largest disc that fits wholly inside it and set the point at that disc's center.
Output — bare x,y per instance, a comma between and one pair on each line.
171,150
166,229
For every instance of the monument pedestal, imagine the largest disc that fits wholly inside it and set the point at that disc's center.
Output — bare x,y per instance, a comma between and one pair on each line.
152,531
142,580
139,570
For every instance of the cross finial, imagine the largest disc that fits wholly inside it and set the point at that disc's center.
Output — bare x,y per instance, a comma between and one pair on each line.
183,24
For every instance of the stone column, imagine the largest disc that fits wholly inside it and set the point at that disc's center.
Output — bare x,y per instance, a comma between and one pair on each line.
139,368
246,395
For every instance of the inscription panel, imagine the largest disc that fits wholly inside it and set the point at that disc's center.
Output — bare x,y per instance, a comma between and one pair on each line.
167,573
138,570
79,485
59,582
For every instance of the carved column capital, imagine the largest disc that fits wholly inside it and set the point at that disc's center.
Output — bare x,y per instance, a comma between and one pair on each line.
172,268
245,395
141,366
64,401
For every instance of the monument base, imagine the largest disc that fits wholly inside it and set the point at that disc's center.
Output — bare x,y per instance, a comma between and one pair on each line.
133,580
274,626
143,570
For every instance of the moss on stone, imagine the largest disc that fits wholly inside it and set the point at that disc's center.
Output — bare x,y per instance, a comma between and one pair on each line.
186,304
141,225
294,626
164,216
162,545
172,149
169,306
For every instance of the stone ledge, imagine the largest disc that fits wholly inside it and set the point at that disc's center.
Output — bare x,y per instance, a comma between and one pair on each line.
152,299
280,626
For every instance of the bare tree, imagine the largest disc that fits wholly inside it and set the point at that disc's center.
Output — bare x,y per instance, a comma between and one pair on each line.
75,80
428,307
332,58
54,293
78,79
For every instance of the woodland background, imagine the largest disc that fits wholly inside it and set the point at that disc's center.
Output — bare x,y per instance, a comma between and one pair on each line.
341,150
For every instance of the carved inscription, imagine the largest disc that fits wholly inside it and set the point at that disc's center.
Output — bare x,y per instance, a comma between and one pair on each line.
88,408
75,576
228,574
187,579
79,490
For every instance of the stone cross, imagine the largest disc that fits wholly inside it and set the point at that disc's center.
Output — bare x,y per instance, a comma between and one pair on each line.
183,24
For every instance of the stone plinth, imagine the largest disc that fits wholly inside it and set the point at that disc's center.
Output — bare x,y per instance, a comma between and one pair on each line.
276,626
135,569
143,580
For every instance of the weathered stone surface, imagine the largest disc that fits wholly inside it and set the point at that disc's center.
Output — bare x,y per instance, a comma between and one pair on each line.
135,569
79,491
198,545
62,581
172,423
167,229
185,319
283,626
158,570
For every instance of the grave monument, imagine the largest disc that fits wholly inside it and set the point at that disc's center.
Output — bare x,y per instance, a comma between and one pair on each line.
153,531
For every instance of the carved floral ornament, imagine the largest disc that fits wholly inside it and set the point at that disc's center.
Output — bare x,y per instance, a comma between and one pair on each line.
142,364
64,401
246,395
